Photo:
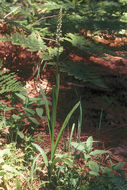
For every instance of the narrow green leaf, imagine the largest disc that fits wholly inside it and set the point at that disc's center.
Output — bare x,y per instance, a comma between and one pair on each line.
46,103
55,94
80,122
53,118
43,154
54,106
72,131
33,168
47,110
64,126
57,85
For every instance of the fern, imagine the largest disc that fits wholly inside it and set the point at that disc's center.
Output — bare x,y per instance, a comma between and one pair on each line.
95,17
85,73
32,42
8,83
50,6
88,46
120,183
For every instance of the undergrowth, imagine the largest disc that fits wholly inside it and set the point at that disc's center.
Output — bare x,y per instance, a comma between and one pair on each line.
31,25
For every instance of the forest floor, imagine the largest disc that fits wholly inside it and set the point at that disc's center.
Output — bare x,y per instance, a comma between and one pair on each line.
104,113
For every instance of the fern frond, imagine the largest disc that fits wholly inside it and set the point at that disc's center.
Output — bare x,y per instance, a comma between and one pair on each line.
120,183
87,45
50,5
32,42
8,83
85,73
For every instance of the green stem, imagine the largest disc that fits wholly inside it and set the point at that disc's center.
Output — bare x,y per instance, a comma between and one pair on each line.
55,95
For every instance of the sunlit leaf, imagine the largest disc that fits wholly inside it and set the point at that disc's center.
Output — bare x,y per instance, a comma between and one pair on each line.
94,167
43,154
89,144
39,112
64,126
98,152
94,173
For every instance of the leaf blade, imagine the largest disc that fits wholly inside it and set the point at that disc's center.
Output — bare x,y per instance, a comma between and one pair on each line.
43,154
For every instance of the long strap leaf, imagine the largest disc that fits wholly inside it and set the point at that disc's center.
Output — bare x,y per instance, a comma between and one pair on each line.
53,117
63,127
70,139
80,122
55,94
47,110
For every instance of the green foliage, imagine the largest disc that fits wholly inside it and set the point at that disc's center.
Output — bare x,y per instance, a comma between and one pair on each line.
110,178
86,149
13,125
29,111
10,127
11,166
87,73
104,177
32,42
50,163
68,178
9,83
87,45
38,19
95,16
28,149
